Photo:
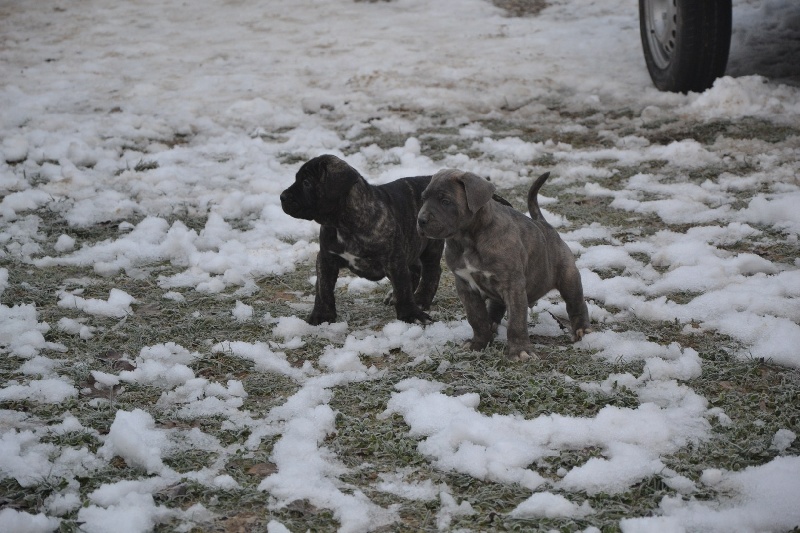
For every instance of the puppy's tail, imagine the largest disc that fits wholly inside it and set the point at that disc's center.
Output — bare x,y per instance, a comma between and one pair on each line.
533,203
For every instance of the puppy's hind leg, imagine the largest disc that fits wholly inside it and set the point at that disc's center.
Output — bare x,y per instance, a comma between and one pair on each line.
572,292
407,309
414,270
497,310
430,272
519,346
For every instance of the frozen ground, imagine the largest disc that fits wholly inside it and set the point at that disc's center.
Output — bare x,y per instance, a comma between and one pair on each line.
155,373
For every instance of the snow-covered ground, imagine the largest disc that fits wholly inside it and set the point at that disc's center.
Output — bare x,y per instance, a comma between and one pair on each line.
151,110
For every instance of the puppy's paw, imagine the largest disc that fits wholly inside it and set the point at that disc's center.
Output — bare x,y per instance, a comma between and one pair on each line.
521,353
424,319
475,345
524,356
417,316
317,318
389,299
469,346
581,332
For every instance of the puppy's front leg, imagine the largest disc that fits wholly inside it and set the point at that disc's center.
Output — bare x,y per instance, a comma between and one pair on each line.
519,347
324,300
477,315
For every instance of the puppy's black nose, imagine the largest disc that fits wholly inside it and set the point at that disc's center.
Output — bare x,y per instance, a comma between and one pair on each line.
422,221
284,197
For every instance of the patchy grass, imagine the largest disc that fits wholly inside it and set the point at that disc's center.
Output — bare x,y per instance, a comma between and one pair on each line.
758,397
521,8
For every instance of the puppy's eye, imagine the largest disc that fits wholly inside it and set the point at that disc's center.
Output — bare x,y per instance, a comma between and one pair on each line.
307,185
445,202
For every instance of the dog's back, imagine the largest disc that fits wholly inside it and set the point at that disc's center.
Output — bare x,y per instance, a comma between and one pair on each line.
404,195
399,188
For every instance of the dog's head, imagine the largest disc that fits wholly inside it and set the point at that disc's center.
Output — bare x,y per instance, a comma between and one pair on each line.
450,202
319,190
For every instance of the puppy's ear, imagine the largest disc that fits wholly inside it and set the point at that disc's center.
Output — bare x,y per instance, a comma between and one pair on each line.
337,174
479,191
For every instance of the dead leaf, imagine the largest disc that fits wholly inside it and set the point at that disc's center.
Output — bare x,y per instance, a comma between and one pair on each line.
173,491
92,389
262,469
123,364
302,507
285,296
110,355
116,359
240,523
171,424
149,309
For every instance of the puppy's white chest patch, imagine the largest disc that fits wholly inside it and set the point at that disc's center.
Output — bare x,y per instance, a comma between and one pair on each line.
347,256
350,258
468,274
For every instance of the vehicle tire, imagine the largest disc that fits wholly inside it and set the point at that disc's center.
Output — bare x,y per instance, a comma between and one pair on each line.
685,42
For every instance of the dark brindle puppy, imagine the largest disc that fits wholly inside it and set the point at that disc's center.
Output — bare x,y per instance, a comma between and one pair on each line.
500,255
369,229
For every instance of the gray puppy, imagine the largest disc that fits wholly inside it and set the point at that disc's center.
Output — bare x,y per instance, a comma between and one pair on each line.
500,255
369,229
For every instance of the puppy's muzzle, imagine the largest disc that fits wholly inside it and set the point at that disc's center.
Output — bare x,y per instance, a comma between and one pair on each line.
429,227
288,203
422,222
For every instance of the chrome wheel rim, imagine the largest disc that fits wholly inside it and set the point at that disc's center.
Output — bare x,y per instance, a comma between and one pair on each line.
661,19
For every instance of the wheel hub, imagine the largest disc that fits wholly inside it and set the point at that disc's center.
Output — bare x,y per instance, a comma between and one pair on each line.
661,17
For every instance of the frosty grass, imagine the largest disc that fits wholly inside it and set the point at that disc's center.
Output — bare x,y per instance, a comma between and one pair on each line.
156,370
